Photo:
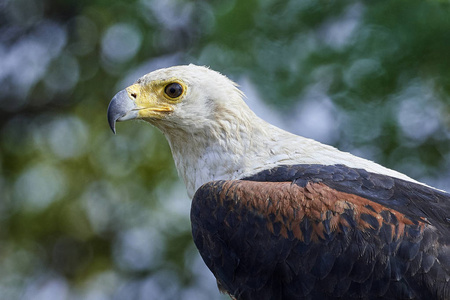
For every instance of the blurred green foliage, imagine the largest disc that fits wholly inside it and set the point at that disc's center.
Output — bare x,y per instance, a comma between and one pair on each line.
88,215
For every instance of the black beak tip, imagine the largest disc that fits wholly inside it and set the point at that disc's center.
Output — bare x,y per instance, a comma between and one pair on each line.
120,108
113,129
111,119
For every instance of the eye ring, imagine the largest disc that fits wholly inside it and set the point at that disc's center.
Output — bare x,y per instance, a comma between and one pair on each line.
173,90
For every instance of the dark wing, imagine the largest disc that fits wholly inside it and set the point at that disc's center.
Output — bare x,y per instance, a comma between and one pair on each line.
324,232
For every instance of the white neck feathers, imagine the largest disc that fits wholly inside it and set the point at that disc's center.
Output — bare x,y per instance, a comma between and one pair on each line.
241,144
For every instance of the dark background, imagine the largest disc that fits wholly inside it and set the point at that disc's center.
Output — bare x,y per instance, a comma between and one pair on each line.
88,215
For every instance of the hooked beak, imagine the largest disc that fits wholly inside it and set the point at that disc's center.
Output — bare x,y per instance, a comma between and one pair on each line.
121,108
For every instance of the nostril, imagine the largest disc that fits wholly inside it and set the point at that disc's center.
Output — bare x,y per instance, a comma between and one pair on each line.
133,95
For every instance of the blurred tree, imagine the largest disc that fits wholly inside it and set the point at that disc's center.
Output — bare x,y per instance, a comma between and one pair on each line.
88,215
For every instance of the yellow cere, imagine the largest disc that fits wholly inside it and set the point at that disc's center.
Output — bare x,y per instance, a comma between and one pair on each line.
151,99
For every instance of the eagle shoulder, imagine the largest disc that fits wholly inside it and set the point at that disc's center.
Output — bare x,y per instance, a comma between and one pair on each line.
313,231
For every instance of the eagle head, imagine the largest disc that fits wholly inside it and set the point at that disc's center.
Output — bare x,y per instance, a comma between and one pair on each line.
181,97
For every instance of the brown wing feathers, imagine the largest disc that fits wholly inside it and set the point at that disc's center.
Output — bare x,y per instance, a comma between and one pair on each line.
286,205
307,240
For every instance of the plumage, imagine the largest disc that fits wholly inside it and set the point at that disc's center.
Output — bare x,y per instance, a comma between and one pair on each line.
278,216
351,244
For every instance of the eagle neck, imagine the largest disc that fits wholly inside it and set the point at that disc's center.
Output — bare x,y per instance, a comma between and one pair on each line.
220,150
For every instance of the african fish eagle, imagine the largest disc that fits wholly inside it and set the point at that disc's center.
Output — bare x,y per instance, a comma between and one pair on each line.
278,216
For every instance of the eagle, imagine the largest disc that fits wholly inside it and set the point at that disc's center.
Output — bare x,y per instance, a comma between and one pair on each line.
279,216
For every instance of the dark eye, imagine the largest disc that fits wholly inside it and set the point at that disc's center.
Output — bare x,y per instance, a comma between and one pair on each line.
173,90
